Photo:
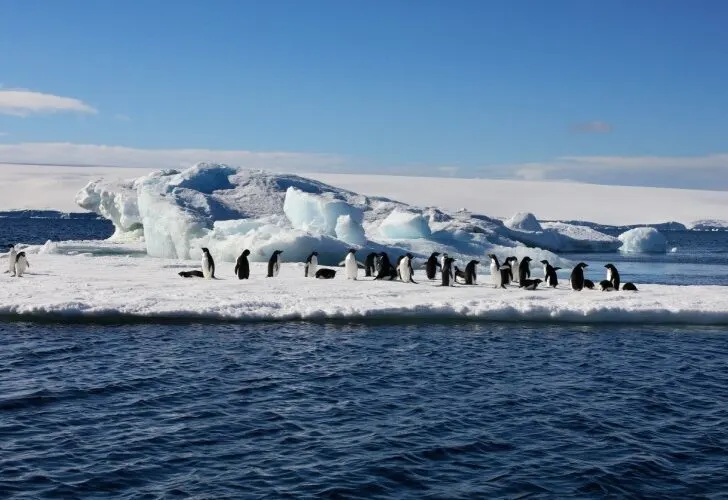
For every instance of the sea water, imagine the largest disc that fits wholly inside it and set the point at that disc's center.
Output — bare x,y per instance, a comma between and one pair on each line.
368,410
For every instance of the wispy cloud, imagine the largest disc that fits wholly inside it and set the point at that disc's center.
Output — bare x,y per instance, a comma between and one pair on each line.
21,102
46,153
122,117
592,127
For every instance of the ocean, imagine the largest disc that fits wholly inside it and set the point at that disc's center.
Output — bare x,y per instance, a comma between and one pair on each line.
367,409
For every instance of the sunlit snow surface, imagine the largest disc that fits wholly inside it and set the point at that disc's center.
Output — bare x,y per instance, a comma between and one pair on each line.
643,240
102,281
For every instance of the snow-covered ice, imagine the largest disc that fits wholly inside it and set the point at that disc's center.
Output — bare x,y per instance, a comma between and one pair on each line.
96,285
643,240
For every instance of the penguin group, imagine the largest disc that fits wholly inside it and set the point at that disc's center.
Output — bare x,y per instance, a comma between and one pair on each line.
17,262
378,266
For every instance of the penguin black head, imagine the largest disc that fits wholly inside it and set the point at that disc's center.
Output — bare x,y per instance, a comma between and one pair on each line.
526,259
435,254
582,265
246,252
609,266
475,262
277,252
538,281
352,250
545,262
410,256
382,254
205,250
314,253
10,245
491,256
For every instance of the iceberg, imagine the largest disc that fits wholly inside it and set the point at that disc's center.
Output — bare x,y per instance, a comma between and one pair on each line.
227,209
523,221
643,240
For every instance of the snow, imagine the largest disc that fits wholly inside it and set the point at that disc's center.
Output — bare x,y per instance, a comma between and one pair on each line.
401,225
643,240
97,283
523,221
709,225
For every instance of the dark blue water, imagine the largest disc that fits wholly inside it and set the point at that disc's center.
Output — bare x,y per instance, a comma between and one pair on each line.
443,410
343,411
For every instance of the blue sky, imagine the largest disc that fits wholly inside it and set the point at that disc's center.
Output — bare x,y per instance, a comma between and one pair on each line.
529,89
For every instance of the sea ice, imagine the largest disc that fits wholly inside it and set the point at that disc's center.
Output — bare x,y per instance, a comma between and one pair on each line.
643,240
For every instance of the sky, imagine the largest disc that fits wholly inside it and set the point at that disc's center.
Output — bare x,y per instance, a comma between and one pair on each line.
619,92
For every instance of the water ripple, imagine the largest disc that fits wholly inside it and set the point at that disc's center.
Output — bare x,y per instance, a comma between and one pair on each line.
354,411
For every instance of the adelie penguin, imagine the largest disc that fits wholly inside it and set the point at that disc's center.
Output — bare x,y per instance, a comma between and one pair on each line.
370,265
21,264
242,266
208,264
274,264
529,284
386,269
589,284
471,275
497,271
606,286
512,263
448,272
432,265
12,255
577,276
613,276
191,274
549,274
524,270
309,271
325,274
629,287
351,266
405,270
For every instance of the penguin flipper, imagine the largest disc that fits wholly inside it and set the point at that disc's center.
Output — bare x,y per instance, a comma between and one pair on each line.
341,264
360,265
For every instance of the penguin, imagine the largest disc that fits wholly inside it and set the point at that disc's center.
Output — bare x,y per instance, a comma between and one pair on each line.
613,276
471,276
529,284
21,263
524,270
496,271
325,274
351,266
309,271
242,266
606,286
12,254
191,274
442,261
577,276
589,284
549,274
405,269
512,264
629,287
370,265
386,269
274,264
459,275
432,265
396,266
448,272
208,264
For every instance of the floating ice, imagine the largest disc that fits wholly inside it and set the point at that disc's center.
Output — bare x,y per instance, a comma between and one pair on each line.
523,221
643,240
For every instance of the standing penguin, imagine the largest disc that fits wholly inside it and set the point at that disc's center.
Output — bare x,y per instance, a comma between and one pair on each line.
274,264
471,276
386,269
405,269
448,272
432,265
496,271
613,276
12,255
311,265
370,264
577,276
21,264
242,266
549,274
442,261
208,264
512,265
351,266
524,270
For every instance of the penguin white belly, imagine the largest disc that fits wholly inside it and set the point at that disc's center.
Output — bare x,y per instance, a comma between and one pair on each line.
546,276
206,268
21,265
312,267
452,275
12,256
609,275
495,276
404,270
351,267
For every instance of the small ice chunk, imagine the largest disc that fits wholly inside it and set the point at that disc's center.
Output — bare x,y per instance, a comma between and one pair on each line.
523,221
400,225
643,240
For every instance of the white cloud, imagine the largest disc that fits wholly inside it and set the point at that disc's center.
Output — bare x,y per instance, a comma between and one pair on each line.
21,102
593,127
51,153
